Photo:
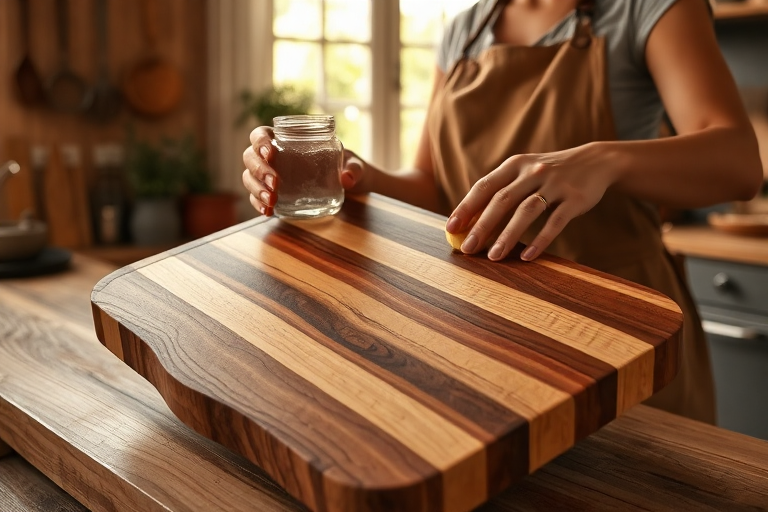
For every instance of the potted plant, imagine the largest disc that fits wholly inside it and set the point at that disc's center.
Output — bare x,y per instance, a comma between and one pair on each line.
280,100
204,210
156,175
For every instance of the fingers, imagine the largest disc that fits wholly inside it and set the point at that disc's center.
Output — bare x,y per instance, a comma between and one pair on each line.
259,178
350,175
507,202
357,176
259,168
262,199
557,221
352,172
262,137
260,206
525,214
482,192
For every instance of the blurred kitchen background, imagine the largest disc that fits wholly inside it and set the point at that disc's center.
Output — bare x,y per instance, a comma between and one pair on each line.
129,117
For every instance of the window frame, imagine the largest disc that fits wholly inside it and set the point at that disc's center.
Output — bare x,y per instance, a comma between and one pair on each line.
386,47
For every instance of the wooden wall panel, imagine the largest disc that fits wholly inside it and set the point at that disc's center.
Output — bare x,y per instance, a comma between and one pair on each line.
182,41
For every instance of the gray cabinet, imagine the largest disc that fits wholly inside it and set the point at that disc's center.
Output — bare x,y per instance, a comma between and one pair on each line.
732,299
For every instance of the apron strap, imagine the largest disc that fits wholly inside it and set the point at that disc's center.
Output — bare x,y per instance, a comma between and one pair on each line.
582,36
586,7
493,14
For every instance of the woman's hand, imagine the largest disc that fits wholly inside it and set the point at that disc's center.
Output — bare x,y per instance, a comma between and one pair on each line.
262,181
259,178
515,194
357,175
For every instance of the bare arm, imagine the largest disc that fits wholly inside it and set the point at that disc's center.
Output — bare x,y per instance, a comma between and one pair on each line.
414,185
714,158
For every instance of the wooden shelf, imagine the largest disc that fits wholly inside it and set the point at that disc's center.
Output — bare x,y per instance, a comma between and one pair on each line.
740,10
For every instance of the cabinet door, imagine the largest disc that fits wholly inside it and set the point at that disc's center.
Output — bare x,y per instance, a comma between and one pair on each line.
740,365
730,285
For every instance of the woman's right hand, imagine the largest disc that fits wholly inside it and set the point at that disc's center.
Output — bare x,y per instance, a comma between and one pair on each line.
259,178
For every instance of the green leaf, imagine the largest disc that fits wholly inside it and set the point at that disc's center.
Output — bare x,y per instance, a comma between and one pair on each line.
166,169
280,100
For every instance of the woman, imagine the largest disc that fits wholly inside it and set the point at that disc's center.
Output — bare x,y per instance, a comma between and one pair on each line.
521,144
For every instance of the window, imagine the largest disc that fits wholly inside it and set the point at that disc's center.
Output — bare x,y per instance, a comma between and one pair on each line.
370,63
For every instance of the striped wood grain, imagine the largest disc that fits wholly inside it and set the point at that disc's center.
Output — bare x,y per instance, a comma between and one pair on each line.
365,366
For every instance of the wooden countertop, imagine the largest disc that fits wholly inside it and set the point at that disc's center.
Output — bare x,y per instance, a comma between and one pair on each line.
706,242
104,435
741,10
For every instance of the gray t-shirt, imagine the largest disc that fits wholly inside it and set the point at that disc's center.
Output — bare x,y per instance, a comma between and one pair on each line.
625,24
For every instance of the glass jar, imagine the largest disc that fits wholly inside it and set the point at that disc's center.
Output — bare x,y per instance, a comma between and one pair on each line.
308,160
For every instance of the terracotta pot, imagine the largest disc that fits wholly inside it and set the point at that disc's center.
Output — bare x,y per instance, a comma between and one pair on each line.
207,213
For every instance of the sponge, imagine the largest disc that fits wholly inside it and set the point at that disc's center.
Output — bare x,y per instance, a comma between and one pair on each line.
456,239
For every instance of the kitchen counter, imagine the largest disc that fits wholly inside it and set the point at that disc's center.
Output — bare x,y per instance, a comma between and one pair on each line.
104,435
706,242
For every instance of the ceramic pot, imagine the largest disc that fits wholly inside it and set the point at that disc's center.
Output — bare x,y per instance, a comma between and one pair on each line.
155,222
22,240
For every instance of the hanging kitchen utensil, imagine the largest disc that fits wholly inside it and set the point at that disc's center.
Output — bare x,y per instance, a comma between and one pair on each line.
28,81
67,92
153,86
107,99
19,191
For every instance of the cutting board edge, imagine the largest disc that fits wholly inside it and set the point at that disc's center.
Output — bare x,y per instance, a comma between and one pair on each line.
426,490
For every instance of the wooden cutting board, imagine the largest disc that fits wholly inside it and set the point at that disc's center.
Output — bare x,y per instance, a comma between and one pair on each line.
82,204
366,366
61,206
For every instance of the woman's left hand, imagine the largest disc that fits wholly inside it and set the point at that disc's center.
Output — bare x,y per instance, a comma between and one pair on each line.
568,183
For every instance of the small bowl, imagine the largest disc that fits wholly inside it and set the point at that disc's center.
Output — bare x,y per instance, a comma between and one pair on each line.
22,240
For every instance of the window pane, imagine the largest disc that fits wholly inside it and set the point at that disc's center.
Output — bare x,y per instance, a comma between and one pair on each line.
417,72
420,22
453,7
355,130
348,20
411,124
298,18
348,72
298,64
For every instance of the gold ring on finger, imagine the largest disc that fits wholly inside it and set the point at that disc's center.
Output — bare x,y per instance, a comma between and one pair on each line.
542,199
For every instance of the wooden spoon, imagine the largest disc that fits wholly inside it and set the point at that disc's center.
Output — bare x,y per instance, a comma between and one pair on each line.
106,101
67,92
153,86
28,81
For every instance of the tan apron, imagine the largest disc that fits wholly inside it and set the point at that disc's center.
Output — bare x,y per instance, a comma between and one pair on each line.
517,99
